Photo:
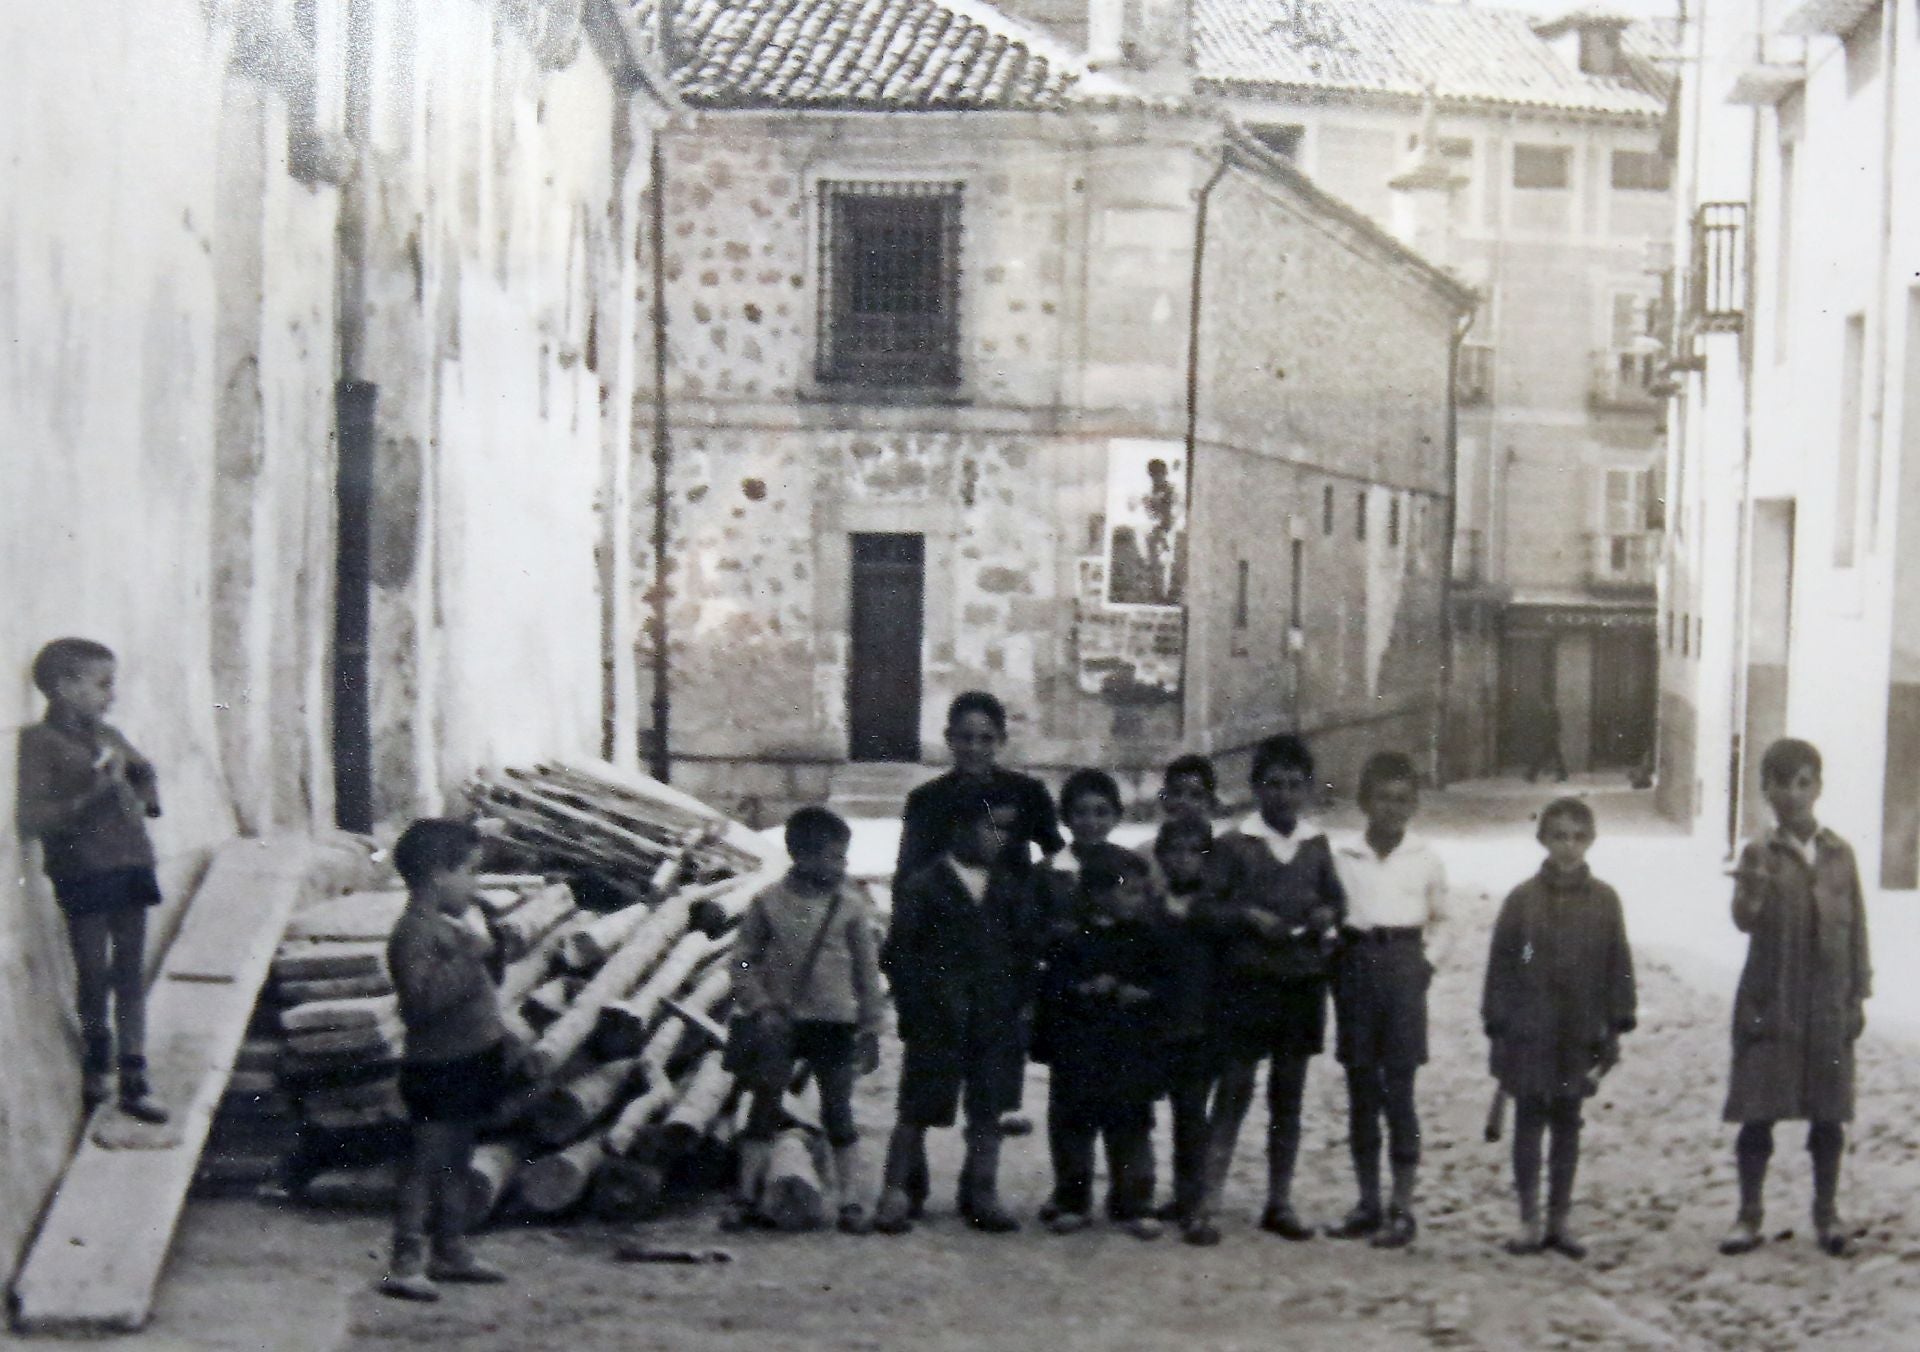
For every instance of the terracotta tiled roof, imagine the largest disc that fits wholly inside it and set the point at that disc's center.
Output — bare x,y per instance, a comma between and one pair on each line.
1399,47
868,55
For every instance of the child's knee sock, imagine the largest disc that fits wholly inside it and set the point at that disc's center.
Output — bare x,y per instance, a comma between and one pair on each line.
1403,1136
1363,1133
904,1147
1752,1151
1825,1142
1529,1124
1563,1161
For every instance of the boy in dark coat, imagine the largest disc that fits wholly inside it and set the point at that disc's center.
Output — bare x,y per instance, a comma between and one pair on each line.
87,794
976,734
1182,850
1559,993
1101,1025
1802,995
960,954
1274,905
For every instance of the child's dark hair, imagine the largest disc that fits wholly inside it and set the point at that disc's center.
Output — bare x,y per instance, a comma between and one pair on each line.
433,845
1089,783
1574,810
1787,758
65,658
1106,866
812,829
1288,750
978,702
1385,767
1193,765
1183,831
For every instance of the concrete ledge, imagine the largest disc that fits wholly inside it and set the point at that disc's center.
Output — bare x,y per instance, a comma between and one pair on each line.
96,1261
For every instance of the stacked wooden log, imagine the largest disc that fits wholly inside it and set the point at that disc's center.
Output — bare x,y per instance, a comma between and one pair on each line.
627,1103
628,832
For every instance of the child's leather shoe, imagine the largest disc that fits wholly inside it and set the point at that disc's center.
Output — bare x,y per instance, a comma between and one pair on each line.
894,1215
1358,1223
1397,1231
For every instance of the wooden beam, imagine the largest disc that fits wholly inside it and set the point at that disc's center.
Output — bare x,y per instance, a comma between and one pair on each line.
95,1263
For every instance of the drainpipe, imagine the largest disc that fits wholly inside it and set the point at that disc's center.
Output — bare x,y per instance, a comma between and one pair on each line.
1459,336
1193,410
1741,752
355,401
661,761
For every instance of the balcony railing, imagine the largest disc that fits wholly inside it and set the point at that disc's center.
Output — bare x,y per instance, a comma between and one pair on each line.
1628,379
1717,280
1622,562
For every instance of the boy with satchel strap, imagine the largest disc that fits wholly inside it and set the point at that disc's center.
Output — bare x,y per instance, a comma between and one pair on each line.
806,989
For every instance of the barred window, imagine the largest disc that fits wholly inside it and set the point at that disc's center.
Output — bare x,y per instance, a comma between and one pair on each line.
889,284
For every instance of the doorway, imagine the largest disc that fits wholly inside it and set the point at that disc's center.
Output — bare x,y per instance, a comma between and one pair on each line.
1625,698
883,662
1526,692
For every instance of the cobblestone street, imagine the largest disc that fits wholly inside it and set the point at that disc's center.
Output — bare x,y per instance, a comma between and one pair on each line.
1656,1191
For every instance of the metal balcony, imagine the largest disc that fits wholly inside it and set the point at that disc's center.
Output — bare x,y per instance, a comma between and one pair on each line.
1717,277
1629,379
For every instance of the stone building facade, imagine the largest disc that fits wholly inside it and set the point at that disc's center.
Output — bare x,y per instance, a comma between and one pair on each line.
1791,598
323,303
1558,215
943,413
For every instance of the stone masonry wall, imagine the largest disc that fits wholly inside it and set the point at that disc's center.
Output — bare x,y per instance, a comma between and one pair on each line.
1323,420
1077,250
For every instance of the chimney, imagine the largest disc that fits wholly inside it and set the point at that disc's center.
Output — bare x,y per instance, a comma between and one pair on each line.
1422,214
1143,37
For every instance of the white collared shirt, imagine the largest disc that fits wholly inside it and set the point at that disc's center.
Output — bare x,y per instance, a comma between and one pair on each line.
1808,849
1407,888
972,877
1283,848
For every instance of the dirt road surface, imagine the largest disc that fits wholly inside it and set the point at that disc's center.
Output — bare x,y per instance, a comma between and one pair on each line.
1656,1191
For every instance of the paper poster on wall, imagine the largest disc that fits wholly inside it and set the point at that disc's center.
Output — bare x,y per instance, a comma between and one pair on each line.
1146,523
1130,630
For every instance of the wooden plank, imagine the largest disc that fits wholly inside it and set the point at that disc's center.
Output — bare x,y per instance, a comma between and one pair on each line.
363,916
96,1260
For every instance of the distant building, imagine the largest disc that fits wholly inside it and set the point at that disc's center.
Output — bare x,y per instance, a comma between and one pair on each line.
984,370
1792,596
1559,215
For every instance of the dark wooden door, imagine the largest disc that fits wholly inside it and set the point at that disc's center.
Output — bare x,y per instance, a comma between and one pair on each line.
883,676
1625,697
1526,689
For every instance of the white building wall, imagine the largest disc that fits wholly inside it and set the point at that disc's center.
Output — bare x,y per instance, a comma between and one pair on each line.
1831,249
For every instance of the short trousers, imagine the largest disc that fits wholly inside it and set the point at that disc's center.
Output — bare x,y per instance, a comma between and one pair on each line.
1380,1003
935,1080
465,1089
99,893
1258,1019
822,1045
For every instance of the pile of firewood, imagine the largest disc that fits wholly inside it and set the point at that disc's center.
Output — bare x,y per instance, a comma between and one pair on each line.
626,1101
623,831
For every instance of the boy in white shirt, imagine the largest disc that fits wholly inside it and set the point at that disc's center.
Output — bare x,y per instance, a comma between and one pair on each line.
1396,886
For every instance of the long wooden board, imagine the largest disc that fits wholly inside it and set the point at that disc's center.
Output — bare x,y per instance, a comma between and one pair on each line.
95,1263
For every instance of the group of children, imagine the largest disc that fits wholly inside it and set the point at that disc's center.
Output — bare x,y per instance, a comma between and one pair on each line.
1132,978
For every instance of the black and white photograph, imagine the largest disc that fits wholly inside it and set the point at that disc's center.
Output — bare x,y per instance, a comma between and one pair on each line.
1013,675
